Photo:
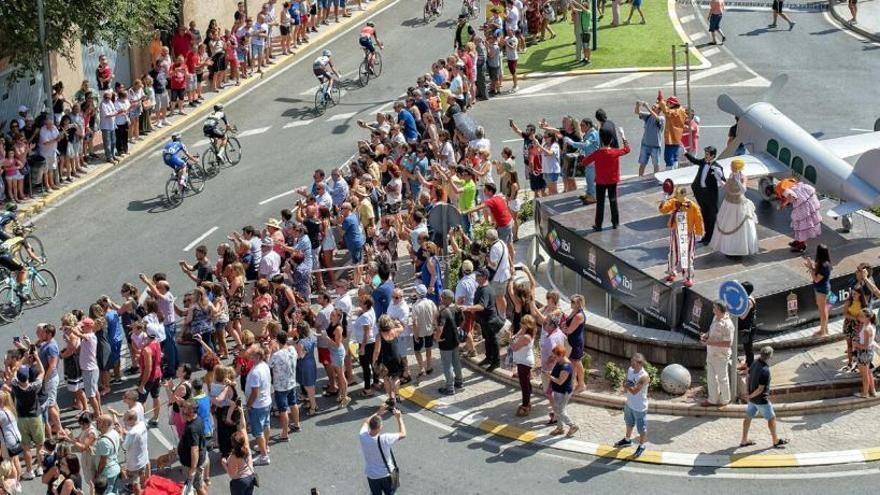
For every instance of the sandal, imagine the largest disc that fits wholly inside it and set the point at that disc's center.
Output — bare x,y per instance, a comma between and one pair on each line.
523,411
558,431
366,393
780,444
747,444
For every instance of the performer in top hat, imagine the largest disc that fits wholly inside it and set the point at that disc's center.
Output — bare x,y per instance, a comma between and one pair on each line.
685,224
705,186
806,219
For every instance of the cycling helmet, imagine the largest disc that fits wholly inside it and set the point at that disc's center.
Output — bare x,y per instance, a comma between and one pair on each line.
372,25
218,107
175,136
327,53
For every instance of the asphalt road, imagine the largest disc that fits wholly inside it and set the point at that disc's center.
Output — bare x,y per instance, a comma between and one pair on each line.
118,227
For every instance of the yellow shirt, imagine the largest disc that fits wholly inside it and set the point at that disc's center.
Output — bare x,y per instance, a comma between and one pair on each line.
676,121
365,212
694,215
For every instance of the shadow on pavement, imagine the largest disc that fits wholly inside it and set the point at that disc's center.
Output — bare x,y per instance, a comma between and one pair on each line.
665,433
157,204
757,32
592,470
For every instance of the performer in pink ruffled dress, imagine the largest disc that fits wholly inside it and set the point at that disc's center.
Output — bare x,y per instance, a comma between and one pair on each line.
806,219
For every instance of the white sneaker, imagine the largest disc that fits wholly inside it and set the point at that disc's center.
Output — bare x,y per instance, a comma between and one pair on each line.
158,125
38,471
165,122
262,460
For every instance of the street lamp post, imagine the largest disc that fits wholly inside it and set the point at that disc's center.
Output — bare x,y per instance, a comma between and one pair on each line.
47,70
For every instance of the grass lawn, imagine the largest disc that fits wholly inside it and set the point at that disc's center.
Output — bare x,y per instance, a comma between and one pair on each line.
634,45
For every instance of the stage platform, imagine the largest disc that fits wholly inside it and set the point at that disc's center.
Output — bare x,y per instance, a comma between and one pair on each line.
629,262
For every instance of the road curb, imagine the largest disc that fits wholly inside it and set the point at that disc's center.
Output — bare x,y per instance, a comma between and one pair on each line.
679,29
478,420
845,25
159,135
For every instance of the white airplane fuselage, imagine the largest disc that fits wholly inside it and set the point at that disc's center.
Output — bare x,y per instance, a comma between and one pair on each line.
763,128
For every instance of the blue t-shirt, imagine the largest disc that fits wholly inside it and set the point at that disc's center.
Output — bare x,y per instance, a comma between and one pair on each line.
382,297
171,154
653,135
114,326
564,387
351,232
406,119
203,410
49,350
413,163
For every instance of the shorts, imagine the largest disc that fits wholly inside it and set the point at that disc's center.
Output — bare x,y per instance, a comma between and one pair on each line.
199,480
494,73
586,38
151,389
356,255
90,382
714,22
324,356
499,287
285,30
670,155
177,94
50,389
367,43
191,82
569,165
286,399
212,132
74,384
324,4
639,419
133,476
777,6
551,177
636,3
537,182
162,100
765,409
505,233
10,264
420,343
649,152
511,66
320,73
337,356
256,51
31,431
258,418
865,356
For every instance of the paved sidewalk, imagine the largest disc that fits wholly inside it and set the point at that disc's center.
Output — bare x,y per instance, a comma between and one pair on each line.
691,441
868,17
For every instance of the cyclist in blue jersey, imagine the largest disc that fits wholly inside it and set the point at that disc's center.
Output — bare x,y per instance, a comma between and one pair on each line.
176,156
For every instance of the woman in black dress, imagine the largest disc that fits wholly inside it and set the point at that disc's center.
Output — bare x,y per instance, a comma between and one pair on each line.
387,352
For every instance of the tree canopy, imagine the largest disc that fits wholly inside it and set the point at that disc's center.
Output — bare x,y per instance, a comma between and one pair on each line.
68,21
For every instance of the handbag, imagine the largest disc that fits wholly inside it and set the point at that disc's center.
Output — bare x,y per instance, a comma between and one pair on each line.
394,473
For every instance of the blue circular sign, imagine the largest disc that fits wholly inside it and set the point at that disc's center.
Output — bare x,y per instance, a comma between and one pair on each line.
735,297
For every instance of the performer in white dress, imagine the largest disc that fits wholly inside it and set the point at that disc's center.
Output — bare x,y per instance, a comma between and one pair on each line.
736,231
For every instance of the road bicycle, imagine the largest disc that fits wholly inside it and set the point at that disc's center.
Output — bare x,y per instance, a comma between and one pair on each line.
231,154
368,71
325,98
433,8
177,187
40,287
23,246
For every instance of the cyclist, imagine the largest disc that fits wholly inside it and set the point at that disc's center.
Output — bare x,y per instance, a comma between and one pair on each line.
8,262
368,37
324,70
215,128
176,156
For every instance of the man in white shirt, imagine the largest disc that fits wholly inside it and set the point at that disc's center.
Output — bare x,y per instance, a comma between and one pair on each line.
481,142
159,289
283,366
499,261
49,137
258,391
108,112
424,313
137,454
376,448
270,260
365,333
464,296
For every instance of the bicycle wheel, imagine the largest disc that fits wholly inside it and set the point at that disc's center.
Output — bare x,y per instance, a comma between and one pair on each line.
34,244
10,303
320,101
210,164
335,95
196,181
44,285
232,151
173,193
377,65
363,73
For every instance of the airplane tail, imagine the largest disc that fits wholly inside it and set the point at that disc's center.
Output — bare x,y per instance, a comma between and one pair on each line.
867,168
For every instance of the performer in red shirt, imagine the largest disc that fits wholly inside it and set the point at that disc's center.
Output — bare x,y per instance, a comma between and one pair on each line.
607,160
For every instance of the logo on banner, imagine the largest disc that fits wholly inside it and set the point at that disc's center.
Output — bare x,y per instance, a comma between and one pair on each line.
591,259
557,243
655,296
791,305
617,279
696,312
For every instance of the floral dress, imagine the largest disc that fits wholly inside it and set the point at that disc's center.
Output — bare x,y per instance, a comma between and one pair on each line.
236,302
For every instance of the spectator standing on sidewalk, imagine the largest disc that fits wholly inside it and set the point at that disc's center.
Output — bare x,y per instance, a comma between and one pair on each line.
192,447
524,359
652,137
718,352
446,333
777,12
562,387
759,399
25,388
239,465
424,314
380,465
49,353
551,338
108,127
258,393
853,9
486,316
716,11
636,408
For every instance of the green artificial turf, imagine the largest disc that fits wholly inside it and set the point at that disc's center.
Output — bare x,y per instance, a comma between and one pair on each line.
634,45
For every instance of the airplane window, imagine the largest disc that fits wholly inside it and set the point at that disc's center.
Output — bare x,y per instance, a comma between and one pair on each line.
773,147
785,156
810,174
797,165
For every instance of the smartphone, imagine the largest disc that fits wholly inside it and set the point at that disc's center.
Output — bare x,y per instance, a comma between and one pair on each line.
510,122
517,268
16,340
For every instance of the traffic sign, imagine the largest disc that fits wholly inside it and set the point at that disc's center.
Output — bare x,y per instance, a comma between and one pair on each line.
734,295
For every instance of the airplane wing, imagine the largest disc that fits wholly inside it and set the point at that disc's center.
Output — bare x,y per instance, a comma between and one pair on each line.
844,209
758,165
856,144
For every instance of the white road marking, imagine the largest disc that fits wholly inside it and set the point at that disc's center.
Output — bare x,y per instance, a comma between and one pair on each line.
543,85
686,19
832,20
698,36
607,90
726,50
714,71
861,130
298,123
622,80
341,116
303,56
314,88
755,82
711,52
277,196
201,142
253,132
200,238
161,438
512,140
